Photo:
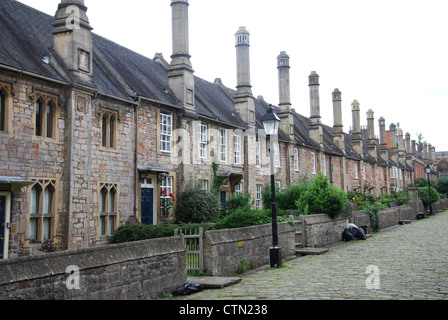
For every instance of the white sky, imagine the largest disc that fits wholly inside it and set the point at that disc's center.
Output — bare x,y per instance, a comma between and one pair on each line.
390,55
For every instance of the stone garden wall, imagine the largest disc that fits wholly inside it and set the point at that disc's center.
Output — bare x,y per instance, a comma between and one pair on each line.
225,249
135,270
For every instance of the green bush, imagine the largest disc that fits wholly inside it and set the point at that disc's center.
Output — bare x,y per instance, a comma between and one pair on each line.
238,201
195,205
372,210
423,194
322,197
442,186
286,199
243,217
138,232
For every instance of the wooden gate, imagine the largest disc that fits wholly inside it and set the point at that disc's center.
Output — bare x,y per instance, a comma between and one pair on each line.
194,242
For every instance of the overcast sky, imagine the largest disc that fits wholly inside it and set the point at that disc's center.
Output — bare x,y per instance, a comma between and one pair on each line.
390,55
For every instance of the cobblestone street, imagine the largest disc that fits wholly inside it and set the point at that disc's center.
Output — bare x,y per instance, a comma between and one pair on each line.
411,261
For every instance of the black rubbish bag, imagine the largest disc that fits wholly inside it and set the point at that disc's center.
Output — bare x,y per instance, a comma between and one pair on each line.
187,289
353,233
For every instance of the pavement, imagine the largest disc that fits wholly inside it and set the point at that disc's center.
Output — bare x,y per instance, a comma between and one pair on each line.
406,262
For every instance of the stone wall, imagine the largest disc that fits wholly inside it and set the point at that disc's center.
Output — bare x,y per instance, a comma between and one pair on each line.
319,230
136,270
225,249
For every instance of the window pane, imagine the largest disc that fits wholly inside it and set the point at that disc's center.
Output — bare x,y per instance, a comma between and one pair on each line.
46,227
2,112
223,140
165,132
237,149
112,132
102,225
35,193
112,201
103,197
111,225
38,124
33,229
104,131
50,114
48,198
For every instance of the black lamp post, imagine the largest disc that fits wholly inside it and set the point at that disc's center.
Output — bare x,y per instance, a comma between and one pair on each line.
271,123
428,172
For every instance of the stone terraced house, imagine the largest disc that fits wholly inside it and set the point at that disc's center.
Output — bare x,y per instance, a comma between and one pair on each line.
92,132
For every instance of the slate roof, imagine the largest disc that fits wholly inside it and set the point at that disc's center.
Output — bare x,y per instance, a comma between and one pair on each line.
26,37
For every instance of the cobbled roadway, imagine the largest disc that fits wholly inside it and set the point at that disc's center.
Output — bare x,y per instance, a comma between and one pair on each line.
412,261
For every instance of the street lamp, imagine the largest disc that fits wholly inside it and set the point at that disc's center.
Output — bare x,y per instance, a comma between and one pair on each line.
271,123
428,172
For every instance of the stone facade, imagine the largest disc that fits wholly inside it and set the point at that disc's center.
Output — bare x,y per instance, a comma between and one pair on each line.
89,138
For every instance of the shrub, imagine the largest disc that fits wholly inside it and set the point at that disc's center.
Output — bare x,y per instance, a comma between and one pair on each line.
238,201
195,205
286,199
323,197
442,186
138,232
372,210
244,217
423,194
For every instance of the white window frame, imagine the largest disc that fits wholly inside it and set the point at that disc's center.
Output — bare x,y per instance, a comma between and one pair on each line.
356,171
324,164
296,159
277,155
237,149
258,154
223,145
203,185
239,188
203,140
313,162
166,132
259,203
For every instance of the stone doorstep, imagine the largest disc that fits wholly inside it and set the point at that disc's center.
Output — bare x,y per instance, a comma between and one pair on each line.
311,251
214,282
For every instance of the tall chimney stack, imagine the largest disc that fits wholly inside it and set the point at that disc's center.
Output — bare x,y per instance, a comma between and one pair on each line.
383,138
393,142
371,133
338,128
316,131
242,44
285,113
244,100
356,130
180,72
